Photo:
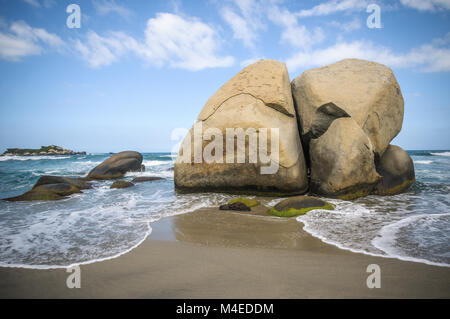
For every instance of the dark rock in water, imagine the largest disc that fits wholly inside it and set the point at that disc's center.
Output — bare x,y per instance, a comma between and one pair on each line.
80,183
397,170
121,184
47,192
142,168
170,169
235,206
145,179
298,205
117,165
53,188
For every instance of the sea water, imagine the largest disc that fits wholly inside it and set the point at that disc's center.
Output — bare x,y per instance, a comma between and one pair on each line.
104,223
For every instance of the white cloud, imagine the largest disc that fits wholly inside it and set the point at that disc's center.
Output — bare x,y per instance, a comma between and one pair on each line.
105,7
22,40
427,5
352,25
334,6
246,19
185,43
34,3
37,4
293,33
427,58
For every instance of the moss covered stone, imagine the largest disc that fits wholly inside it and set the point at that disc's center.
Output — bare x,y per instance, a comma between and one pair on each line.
298,205
247,201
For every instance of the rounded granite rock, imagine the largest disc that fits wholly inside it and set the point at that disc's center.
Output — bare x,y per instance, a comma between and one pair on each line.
117,165
397,171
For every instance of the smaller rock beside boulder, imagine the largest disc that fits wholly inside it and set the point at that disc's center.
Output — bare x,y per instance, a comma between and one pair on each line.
397,171
247,201
121,184
52,188
80,183
235,206
117,165
298,205
146,179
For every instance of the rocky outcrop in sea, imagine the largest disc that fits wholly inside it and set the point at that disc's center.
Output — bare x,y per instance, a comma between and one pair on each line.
44,150
335,124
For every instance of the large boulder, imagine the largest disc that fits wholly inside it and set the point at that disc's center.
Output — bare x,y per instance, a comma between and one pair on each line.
117,165
366,91
258,97
342,161
397,170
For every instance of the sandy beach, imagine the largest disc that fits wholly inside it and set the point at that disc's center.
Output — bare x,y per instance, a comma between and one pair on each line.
222,254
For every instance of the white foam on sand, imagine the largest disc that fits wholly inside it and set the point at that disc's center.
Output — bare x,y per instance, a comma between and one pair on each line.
359,229
71,232
389,234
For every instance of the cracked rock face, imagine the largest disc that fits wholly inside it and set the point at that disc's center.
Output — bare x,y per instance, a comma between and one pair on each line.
349,112
257,97
366,91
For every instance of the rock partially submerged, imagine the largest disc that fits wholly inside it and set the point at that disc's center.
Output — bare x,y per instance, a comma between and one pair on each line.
121,184
117,166
397,170
238,206
146,179
52,188
80,183
298,205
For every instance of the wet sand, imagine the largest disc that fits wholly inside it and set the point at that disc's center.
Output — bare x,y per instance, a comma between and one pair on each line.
216,254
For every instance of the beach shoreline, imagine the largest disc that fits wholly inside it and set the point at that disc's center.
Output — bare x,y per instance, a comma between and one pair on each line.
220,254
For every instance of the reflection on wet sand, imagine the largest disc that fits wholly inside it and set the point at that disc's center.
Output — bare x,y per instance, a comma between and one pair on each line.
213,227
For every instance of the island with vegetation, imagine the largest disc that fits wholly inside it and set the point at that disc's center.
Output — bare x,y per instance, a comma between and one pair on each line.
44,150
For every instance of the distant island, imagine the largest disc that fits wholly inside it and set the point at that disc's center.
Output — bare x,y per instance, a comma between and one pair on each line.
44,150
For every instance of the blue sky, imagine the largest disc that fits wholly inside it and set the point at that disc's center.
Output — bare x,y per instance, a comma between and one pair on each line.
136,70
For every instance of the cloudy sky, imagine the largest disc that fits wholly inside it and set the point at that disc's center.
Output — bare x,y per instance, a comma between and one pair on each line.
136,70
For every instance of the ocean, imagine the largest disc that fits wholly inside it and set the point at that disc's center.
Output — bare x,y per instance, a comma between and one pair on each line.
104,223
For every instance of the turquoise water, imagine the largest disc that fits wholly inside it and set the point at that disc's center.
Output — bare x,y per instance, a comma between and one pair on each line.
104,223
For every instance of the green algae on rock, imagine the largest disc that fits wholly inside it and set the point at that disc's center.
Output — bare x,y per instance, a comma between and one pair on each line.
298,205
247,201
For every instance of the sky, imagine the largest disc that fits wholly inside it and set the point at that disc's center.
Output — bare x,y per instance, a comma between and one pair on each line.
137,70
